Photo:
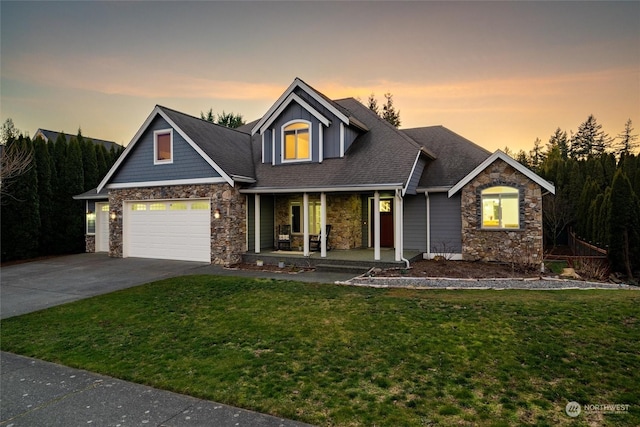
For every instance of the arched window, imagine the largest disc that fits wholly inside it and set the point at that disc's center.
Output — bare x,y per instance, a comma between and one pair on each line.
501,207
296,141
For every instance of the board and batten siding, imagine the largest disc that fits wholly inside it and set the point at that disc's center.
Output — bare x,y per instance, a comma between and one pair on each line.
139,165
267,234
295,112
417,174
415,223
445,223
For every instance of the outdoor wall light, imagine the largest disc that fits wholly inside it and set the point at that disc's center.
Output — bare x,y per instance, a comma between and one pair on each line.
216,213
113,215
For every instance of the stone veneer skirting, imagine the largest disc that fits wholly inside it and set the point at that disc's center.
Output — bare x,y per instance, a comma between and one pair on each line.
90,243
228,235
344,214
522,246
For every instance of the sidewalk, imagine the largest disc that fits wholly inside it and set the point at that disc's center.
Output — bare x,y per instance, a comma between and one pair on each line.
37,393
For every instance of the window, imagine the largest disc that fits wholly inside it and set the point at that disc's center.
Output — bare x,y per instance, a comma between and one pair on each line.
91,222
199,206
501,208
178,206
158,207
314,217
163,146
296,141
138,207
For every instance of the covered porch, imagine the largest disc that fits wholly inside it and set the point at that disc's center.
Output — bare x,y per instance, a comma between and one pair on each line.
365,225
358,259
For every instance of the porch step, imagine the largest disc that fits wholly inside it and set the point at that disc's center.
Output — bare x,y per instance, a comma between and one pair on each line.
340,268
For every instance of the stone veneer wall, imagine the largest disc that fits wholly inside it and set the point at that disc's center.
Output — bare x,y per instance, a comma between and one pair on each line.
90,243
228,233
522,246
344,214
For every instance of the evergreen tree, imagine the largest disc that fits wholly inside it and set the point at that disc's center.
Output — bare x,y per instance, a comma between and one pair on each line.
58,160
73,179
590,190
230,120
624,226
101,161
210,117
20,225
389,112
372,104
45,196
536,156
559,139
628,141
589,140
522,158
90,165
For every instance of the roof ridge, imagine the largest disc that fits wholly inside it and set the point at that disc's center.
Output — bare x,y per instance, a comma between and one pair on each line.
201,119
454,133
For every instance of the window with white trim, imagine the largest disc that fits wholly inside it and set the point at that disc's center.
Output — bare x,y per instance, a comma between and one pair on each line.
500,208
314,217
163,146
296,141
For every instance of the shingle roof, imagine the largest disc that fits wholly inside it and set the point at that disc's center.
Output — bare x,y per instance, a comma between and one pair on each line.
383,155
93,194
53,135
229,148
455,156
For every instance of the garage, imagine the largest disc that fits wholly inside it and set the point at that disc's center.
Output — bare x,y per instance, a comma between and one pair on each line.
168,229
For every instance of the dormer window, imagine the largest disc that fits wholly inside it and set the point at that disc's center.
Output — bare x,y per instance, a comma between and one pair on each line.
296,137
163,146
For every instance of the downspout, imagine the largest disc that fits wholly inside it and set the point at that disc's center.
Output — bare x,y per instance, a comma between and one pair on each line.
401,213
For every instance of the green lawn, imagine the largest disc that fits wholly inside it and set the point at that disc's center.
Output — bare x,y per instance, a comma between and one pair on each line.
345,356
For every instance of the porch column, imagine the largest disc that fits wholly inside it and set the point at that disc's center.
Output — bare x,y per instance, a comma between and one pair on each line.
305,223
323,225
256,220
397,223
376,228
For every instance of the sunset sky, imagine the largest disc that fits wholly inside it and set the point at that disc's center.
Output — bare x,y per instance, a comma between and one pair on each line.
498,73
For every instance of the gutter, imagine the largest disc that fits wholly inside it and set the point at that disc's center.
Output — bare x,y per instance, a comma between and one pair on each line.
350,188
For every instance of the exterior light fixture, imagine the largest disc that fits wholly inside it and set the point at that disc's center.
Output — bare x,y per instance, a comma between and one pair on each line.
216,213
113,215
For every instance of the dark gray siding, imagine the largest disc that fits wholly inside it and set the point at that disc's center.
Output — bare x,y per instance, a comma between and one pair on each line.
350,135
267,236
415,223
417,174
295,112
365,220
446,223
139,167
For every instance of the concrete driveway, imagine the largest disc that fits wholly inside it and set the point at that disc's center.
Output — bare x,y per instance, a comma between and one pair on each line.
37,285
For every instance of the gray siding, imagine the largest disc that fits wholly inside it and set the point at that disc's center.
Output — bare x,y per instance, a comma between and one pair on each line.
268,143
139,167
267,234
446,223
415,223
350,135
295,112
365,220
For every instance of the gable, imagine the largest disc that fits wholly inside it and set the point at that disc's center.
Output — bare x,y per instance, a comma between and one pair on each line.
138,168
499,155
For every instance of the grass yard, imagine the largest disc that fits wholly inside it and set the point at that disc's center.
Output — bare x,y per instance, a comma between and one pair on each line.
331,355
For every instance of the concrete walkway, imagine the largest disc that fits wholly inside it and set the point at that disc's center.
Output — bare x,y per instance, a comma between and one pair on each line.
38,393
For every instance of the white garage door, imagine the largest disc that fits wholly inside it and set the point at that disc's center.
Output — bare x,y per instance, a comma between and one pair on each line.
175,229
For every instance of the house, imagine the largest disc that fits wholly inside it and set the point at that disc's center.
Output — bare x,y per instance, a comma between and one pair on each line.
191,190
51,136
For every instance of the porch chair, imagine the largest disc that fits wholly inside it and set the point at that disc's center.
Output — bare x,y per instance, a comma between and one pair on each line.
314,241
284,237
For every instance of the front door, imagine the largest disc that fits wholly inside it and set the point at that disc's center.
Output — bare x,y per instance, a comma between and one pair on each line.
386,223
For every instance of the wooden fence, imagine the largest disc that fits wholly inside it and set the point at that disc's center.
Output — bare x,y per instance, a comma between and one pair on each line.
580,248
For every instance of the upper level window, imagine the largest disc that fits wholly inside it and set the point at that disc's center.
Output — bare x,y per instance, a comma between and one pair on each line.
163,146
500,208
296,141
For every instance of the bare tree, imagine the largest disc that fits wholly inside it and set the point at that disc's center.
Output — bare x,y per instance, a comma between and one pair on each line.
15,160
557,215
